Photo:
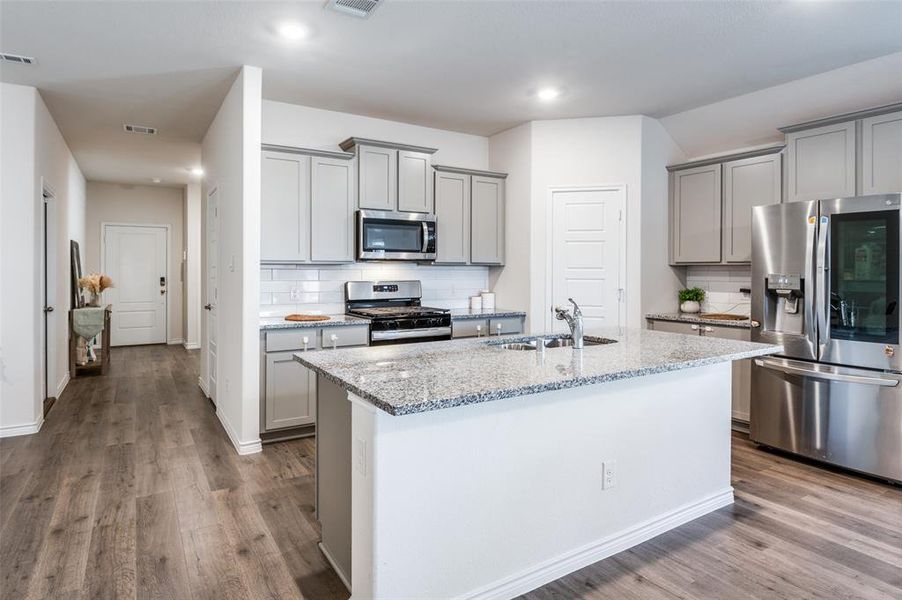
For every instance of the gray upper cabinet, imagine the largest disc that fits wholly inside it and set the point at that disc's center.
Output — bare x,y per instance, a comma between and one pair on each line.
881,154
452,216
820,162
696,214
285,207
486,220
392,176
747,183
414,181
332,210
377,177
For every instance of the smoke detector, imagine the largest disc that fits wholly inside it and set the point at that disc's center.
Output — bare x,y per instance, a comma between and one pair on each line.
17,58
142,129
361,9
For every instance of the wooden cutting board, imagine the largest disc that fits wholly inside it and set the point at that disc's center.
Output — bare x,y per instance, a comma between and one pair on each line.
296,317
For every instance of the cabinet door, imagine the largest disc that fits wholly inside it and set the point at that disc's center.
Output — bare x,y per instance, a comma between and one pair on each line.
452,218
378,177
290,392
881,154
487,220
414,181
747,183
285,207
696,202
462,328
820,163
505,325
332,211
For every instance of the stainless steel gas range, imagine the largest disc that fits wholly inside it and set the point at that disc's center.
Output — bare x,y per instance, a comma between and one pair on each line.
395,312
826,284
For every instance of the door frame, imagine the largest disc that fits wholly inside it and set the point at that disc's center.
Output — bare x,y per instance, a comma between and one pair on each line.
48,226
166,227
210,392
547,319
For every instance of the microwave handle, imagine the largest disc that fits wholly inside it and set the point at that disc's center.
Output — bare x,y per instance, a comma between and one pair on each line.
425,236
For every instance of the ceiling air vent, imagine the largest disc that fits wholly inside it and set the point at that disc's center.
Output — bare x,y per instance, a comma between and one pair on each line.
143,129
17,58
356,8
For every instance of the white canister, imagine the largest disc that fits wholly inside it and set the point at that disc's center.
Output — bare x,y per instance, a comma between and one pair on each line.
475,302
488,300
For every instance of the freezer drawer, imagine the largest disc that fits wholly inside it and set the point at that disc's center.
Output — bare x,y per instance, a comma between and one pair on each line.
848,417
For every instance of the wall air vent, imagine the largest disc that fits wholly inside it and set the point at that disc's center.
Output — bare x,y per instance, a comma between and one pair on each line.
143,129
361,9
17,58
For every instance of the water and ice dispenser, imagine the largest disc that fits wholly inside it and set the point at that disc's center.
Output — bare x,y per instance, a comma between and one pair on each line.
784,308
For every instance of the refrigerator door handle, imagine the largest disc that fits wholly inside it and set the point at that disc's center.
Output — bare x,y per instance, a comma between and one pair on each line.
791,369
822,294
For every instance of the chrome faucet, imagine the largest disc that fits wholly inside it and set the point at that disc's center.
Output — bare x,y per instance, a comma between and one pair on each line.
575,321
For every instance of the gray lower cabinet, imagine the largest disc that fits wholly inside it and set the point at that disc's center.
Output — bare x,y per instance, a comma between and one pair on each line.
290,392
486,220
747,183
463,328
452,218
820,162
377,169
307,206
742,369
696,205
881,154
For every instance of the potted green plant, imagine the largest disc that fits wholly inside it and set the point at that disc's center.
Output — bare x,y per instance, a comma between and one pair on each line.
691,300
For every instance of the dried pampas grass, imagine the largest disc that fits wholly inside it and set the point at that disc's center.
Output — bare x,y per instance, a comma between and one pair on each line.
95,282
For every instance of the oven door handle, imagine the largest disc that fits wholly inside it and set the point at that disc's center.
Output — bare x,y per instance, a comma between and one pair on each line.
410,333
425,237
789,369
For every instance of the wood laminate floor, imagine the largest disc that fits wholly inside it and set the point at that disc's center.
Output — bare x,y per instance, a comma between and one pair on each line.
132,490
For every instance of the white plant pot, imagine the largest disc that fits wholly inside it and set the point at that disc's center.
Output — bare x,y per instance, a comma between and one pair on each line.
690,306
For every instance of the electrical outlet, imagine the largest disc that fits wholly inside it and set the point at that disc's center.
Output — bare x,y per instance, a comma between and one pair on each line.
609,474
295,295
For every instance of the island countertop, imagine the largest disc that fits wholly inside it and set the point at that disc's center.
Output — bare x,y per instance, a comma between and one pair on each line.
411,378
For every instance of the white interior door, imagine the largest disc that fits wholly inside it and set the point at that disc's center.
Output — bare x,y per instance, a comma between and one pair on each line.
212,224
587,250
135,258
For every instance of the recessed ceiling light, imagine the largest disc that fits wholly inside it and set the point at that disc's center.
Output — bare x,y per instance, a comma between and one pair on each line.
156,180
292,31
197,171
547,94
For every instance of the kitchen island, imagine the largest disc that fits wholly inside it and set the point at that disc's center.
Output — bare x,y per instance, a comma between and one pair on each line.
465,469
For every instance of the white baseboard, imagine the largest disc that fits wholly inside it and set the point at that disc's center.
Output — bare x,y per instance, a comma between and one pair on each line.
334,564
557,567
16,430
191,346
175,341
242,448
62,385
203,386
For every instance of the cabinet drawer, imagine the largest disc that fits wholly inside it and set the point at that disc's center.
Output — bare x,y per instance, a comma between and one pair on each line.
502,325
729,333
469,328
674,327
345,336
292,339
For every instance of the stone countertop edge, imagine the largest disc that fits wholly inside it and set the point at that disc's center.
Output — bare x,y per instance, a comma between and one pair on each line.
690,318
271,323
461,314
515,391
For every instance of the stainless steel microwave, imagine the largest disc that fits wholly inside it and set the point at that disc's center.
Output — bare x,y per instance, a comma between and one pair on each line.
385,235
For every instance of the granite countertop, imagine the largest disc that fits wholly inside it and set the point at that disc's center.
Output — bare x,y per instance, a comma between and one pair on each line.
411,378
484,313
268,323
694,318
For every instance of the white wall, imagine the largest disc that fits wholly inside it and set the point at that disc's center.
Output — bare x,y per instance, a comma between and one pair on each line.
33,151
752,119
231,160
192,305
140,205
293,125
511,152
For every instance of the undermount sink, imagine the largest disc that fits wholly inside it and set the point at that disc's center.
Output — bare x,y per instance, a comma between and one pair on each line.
550,342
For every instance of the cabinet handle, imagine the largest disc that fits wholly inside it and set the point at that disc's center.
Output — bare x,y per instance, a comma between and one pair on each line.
333,338
709,329
498,329
694,327
478,330
306,341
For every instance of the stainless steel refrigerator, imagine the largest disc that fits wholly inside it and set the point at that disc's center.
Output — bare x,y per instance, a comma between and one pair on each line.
826,285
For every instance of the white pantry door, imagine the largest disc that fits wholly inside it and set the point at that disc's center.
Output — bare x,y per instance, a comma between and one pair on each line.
135,258
212,291
586,254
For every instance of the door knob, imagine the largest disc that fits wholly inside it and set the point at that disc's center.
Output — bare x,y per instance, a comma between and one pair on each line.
208,307
48,309
162,292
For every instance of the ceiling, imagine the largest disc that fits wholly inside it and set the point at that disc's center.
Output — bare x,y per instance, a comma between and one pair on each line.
462,65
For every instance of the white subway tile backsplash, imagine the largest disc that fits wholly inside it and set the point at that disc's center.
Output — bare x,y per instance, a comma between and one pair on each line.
722,285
